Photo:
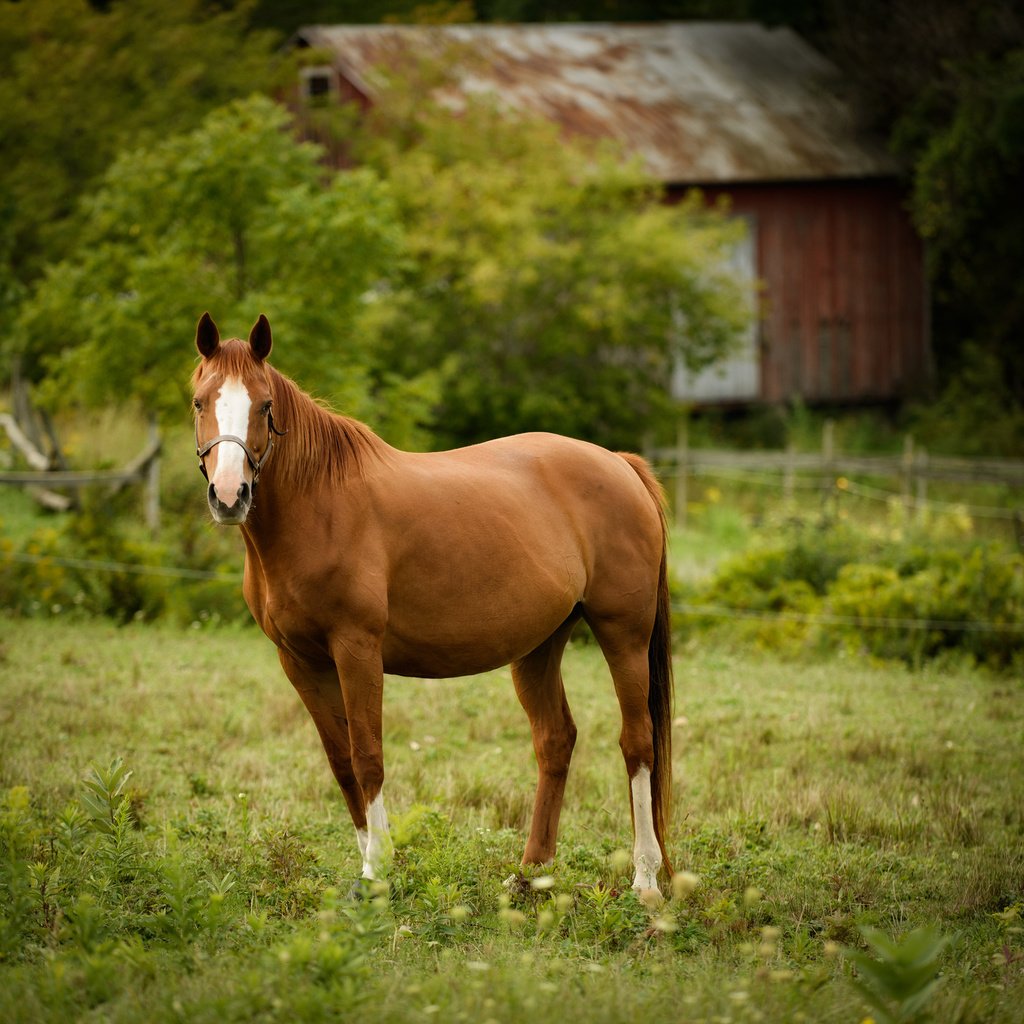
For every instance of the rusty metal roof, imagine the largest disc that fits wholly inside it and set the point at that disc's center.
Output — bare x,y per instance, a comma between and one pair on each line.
699,102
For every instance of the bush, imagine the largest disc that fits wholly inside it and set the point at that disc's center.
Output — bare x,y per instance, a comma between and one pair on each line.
966,596
812,554
832,587
73,569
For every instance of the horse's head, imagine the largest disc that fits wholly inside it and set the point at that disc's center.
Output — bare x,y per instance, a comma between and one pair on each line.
234,422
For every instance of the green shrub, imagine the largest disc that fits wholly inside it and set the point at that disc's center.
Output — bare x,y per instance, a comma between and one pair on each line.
966,595
832,587
75,568
811,554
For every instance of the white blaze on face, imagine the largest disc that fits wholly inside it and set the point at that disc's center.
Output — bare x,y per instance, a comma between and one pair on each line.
232,412
646,851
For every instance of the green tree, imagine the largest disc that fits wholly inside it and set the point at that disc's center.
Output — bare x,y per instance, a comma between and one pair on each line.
238,217
549,284
79,84
944,81
966,196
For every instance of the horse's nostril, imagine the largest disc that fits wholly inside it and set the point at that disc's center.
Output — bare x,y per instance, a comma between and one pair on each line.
233,510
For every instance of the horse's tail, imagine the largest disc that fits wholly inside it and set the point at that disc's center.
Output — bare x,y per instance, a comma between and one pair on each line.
659,661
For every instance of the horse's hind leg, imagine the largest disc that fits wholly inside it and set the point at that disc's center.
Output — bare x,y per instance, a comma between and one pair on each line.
538,682
320,691
625,649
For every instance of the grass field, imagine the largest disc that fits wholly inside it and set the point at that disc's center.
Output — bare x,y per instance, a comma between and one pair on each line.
811,800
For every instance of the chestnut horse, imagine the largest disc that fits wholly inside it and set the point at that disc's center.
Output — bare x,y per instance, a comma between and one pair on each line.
362,559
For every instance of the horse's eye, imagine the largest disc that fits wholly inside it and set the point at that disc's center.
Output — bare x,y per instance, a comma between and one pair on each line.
198,405
265,411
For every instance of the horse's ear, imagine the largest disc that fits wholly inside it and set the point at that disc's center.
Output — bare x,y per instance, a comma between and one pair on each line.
207,336
260,339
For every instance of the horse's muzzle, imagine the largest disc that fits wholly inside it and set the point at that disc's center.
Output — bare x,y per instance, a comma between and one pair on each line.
234,514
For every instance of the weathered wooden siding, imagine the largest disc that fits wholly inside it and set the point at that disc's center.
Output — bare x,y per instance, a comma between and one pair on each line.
844,311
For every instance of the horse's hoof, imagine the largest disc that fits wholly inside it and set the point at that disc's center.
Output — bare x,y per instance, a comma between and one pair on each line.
517,884
367,889
359,890
652,899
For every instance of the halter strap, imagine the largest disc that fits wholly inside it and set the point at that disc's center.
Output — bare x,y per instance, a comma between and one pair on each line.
255,464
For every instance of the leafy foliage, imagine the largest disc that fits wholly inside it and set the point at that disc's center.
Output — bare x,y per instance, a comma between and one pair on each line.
548,283
286,14
976,413
476,265
52,571
830,586
966,178
943,80
900,980
79,82
103,796
236,216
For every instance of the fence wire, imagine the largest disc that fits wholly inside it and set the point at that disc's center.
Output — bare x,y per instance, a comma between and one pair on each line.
767,478
881,494
865,622
692,610
138,569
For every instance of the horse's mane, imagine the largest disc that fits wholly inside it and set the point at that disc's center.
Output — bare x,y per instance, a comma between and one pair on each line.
319,446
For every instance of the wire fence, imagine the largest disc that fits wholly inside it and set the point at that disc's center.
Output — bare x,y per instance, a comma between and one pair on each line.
841,484
683,608
96,565
928,504
856,621
832,474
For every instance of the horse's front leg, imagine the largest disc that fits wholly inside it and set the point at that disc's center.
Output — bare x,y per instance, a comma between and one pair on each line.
321,693
361,672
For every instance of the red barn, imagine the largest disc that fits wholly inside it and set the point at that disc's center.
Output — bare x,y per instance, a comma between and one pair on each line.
735,109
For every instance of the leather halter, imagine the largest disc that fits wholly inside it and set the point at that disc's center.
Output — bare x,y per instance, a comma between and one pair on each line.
255,463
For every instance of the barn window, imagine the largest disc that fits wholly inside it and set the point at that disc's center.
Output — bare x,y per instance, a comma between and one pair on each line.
318,82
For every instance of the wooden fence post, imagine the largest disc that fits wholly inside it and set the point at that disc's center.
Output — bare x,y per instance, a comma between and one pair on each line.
828,455
921,493
789,475
907,475
682,467
21,408
152,503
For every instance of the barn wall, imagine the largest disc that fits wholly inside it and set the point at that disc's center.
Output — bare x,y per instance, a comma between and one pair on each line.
845,295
